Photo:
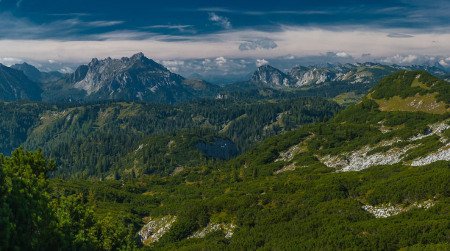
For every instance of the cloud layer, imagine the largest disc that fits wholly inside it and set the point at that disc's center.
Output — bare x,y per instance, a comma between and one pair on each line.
235,37
229,44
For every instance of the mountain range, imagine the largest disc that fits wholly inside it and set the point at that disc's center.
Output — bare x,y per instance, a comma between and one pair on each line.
139,78
314,76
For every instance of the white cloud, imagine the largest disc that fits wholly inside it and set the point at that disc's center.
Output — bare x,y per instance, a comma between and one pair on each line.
289,57
180,28
409,59
222,21
342,55
173,65
400,59
21,28
261,62
220,61
8,61
66,70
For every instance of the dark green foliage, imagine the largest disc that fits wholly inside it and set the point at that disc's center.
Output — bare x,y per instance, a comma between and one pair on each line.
92,140
400,84
297,210
162,154
14,85
25,208
17,121
32,219
310,208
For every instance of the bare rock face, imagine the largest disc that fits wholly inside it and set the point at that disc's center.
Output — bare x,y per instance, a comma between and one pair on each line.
156,228
388,210
441,154
272,77
137,78
126,78
226,228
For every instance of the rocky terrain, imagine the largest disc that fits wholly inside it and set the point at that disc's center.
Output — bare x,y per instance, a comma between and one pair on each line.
388,210
134,78
352,74
156,228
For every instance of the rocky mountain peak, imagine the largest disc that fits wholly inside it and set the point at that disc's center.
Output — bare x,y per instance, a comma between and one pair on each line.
94,61
271,76
131,78
138,56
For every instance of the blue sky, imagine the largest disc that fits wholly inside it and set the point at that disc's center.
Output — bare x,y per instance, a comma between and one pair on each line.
183,34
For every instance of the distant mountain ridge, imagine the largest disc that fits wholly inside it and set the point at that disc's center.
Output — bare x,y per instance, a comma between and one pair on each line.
14,85
310,76
139,78
34,74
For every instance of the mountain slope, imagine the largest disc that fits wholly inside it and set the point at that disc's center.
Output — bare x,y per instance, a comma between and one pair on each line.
95,139
37,76
14,85
367,179
405,119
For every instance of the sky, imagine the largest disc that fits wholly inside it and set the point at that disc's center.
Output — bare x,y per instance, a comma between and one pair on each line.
225,37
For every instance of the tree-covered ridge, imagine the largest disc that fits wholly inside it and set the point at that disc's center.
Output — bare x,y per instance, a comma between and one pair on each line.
90,140
410,83
18,119
424,94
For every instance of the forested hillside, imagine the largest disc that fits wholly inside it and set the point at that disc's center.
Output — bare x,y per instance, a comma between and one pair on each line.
373,177
93,140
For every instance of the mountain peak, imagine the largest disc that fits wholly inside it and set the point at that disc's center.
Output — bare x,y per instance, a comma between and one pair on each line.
270,76
93,62
267,67
133,78
139,55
